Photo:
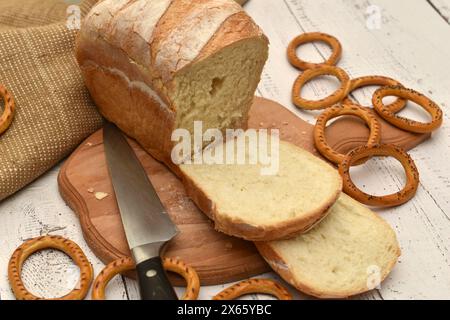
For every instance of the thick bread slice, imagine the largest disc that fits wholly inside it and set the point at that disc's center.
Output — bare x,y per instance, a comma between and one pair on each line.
246,204
348,253
156,66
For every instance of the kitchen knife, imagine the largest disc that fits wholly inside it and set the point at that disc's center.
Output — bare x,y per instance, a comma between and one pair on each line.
147,225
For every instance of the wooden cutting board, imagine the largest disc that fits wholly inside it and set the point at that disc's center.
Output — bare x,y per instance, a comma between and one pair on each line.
217,257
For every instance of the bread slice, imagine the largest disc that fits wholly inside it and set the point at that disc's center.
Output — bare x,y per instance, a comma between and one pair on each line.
246,204
348,253
156,66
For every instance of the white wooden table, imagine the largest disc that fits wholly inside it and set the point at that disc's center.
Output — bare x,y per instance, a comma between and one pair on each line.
408,40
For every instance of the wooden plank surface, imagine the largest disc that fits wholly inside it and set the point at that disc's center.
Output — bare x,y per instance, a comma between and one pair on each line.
442,7
404,39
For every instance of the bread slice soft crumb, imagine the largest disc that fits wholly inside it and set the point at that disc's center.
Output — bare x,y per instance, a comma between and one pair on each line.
246,204
350,252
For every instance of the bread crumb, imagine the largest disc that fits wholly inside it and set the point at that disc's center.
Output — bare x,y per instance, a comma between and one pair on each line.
101,195
286,123
261,124
89,144
90,190
303,132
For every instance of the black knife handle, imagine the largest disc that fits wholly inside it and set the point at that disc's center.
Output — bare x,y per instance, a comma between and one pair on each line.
153,281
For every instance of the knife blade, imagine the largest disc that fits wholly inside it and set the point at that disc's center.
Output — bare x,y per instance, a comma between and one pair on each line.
147,225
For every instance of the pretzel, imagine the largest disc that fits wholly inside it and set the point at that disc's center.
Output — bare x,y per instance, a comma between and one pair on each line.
334,112
396,199
403,123
127,264
264,286
49,242
8,113
357,83
310,37
334,98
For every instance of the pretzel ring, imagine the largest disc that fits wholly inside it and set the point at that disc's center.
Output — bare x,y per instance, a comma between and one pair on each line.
396,199
334,98
264,286
310,37
49,242
403,123
8,113
127,264
360,82
334,112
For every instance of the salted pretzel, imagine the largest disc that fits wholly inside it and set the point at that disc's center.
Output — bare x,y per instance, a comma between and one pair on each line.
310,37
334,98
334,112
8,113
127,264
404,123
264,286
361,82
49,242
396,199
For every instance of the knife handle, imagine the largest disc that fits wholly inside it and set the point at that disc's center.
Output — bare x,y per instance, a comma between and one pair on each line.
153,281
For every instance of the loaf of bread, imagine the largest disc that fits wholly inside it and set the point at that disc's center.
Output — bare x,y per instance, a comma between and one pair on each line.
245,202
155,66
350,252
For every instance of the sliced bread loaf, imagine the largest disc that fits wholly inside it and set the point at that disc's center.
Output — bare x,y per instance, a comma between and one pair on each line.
350,252
246,204
156,66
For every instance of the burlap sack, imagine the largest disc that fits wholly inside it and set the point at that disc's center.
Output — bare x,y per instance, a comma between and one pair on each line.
37,65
